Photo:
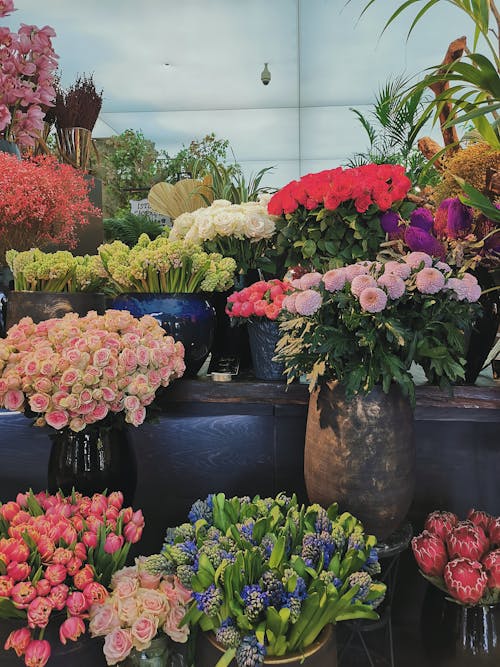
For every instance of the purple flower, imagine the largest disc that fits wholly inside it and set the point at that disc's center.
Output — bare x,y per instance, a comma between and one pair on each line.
459,219
423,218
389,222
418,240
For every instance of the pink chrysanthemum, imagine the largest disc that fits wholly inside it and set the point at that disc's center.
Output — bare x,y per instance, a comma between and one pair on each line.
444,267
414,259
308,302
289,303
354,270
296,283
334,280
470,279
459,288
373,299
430,281
394,285
401,269
359,283
309,280
473,292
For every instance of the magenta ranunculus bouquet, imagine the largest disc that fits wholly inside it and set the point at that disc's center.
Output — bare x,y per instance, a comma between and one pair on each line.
364,324
332,218
57,557
142,606
76,371
462,558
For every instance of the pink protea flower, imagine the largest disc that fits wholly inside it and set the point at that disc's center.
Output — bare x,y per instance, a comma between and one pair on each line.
334,280
309,280
441,523
467,541
466,580
479,518
491,563
373,299
415,259
429,281
494,531
430,553
394,285
361,282
308,302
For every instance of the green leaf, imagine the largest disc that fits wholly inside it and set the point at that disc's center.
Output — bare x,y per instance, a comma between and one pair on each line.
278,553
226,658
309,248
9,610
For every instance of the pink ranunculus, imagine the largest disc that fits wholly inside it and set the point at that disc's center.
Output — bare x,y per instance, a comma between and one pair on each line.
19,641
172,623
143,630
37,653
77,603
71,629
113,543
466,580
430,553
467,541
117,646
103,619
491,563
39,611
441,523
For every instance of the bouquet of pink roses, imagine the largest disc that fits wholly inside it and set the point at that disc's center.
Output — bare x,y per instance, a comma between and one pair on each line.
142,605
74,371
58,554
462,558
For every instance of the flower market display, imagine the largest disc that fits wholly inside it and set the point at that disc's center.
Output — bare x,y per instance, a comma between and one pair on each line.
76,371
461,558
28,63
166,265
57,557
268,574
241,231
140,607
41,202
365,323
261,299
333,218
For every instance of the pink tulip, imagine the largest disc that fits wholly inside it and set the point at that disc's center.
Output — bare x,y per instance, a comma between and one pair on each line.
83,577
37,653
113,543
19,641
76,603
71,628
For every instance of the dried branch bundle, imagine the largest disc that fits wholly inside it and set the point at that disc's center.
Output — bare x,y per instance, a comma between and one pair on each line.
79,105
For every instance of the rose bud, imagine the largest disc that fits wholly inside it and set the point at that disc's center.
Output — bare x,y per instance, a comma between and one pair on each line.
430,553
83,577
18,640
55,573
494,531
37,653
39,611
441,523
481,519
72,628
467,541
466,580
113,543
76,603
491,564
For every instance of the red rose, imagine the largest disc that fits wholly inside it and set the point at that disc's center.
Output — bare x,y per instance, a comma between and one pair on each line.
466,580
430,553
481,519
467,541
491,564
441,523
494,531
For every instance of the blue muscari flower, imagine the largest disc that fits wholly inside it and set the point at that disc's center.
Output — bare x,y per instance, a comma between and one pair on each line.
300,589
202,509
250,652
373,557
337,582
246,530
209,601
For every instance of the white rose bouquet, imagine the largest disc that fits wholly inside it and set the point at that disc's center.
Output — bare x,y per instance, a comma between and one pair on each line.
241,231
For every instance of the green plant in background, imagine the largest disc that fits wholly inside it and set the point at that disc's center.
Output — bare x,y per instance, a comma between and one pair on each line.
129,227
473,92
194,159
229,183
392,127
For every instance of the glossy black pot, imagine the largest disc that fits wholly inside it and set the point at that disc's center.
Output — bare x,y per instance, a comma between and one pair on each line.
481,338
263,335
95,459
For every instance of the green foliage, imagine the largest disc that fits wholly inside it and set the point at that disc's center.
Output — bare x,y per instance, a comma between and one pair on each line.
229,183
195,159
129,227
392,127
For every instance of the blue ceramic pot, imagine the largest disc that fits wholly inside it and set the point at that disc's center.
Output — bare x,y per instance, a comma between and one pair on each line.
189,318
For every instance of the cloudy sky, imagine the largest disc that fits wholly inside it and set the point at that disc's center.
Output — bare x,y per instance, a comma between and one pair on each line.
179,69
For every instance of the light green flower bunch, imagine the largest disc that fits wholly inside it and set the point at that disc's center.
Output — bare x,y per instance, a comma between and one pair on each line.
167,266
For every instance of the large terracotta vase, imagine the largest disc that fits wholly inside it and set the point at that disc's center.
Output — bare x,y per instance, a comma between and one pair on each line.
321,653
361,454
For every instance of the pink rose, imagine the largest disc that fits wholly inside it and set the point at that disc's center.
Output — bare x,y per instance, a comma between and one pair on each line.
19,641
58,419
103,619
71,628
126,587
117,646
127,610
142,631
13,399
152,602
466,580
136,417
39,611
175,591
172,623
430,553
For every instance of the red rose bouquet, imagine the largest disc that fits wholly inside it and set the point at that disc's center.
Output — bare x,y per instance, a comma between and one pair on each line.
262,299
57,557
462,558
333,218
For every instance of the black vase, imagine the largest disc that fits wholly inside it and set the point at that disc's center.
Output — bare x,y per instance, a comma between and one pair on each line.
263,335
482,335
93,460
458,636
188,318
